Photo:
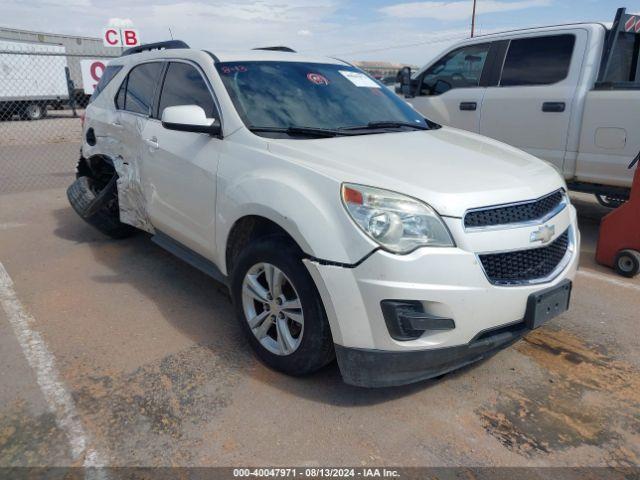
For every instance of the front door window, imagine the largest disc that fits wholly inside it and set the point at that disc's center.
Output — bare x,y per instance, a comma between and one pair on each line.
461,68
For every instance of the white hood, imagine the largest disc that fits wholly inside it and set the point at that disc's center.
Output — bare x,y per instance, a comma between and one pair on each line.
452,170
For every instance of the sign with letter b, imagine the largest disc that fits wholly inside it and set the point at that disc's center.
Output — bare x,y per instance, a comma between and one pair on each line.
130,37
120,37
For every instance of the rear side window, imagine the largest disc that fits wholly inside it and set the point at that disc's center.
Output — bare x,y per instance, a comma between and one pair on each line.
184,85
137,91
624,60
109,72
538,60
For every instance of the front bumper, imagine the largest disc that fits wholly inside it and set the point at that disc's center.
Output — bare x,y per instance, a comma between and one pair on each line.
378,368
449,283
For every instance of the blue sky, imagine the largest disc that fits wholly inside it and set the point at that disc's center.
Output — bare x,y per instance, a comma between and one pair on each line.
392,30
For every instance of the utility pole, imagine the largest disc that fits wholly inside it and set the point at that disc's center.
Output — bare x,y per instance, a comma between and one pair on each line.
473,19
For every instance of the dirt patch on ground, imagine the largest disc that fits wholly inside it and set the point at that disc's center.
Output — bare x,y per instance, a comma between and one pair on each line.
588,398
161,402
28,440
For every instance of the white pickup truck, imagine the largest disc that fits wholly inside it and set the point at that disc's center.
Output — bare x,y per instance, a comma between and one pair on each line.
568,94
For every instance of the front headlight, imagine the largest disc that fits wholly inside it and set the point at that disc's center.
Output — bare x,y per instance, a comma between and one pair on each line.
398,223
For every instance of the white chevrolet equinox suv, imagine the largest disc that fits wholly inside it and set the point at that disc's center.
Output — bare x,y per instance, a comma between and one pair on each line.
344,223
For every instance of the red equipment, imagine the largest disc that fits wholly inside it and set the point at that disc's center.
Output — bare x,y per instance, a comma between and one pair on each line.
619,240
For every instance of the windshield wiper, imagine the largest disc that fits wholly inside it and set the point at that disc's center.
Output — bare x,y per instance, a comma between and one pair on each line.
304,131
388,124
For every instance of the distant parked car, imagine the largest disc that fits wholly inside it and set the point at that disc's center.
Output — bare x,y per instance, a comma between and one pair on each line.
390,80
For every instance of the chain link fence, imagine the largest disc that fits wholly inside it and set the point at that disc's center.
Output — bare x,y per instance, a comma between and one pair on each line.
41,101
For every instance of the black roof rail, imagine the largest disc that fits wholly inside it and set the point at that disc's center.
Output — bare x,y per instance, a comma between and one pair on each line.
169,44
212,55
280,48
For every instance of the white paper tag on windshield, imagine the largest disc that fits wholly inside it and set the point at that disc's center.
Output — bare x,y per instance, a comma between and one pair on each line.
359,79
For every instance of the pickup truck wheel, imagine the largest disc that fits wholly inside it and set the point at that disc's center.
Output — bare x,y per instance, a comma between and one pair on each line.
627,263
610,202
82,193
279,308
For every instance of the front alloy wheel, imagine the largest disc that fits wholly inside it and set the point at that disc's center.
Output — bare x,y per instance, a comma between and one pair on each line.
278,307
272,308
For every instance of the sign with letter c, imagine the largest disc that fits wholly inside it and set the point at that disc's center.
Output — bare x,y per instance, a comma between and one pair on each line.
111,37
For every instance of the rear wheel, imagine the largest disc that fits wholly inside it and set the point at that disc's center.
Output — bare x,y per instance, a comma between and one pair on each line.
279,308
83,193
627,263
610,201
34,111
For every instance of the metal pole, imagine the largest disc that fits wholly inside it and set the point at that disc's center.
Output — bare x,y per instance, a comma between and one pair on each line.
473,19
71,88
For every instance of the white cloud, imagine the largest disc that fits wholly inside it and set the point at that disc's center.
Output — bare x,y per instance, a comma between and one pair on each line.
272,11
236,25
68,3
120,22
457,10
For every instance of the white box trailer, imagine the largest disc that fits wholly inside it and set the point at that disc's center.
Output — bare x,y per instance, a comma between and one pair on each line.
32,77
78,49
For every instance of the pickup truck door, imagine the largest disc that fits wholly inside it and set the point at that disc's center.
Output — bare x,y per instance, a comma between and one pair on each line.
179,168
610,137
449,92
610,134
532,104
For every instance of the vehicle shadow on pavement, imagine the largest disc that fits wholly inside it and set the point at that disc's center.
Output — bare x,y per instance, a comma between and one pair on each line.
326,386
200,308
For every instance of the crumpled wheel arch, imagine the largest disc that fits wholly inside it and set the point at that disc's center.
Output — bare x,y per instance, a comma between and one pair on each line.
131,201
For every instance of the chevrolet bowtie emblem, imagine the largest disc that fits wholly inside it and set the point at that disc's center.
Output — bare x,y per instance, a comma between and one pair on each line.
543,234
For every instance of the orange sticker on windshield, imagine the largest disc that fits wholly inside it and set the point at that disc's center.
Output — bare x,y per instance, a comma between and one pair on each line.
317,79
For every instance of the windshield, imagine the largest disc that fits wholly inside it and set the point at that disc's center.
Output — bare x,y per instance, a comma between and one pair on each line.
285,95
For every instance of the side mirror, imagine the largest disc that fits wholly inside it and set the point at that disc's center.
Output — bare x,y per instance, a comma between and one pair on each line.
404,77
189,118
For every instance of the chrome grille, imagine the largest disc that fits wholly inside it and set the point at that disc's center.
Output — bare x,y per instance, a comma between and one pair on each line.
535,210
525,266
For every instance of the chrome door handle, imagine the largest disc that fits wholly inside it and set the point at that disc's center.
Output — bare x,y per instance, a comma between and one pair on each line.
152,142
116,124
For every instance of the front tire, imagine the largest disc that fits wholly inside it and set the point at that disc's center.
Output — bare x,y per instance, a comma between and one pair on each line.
279,308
